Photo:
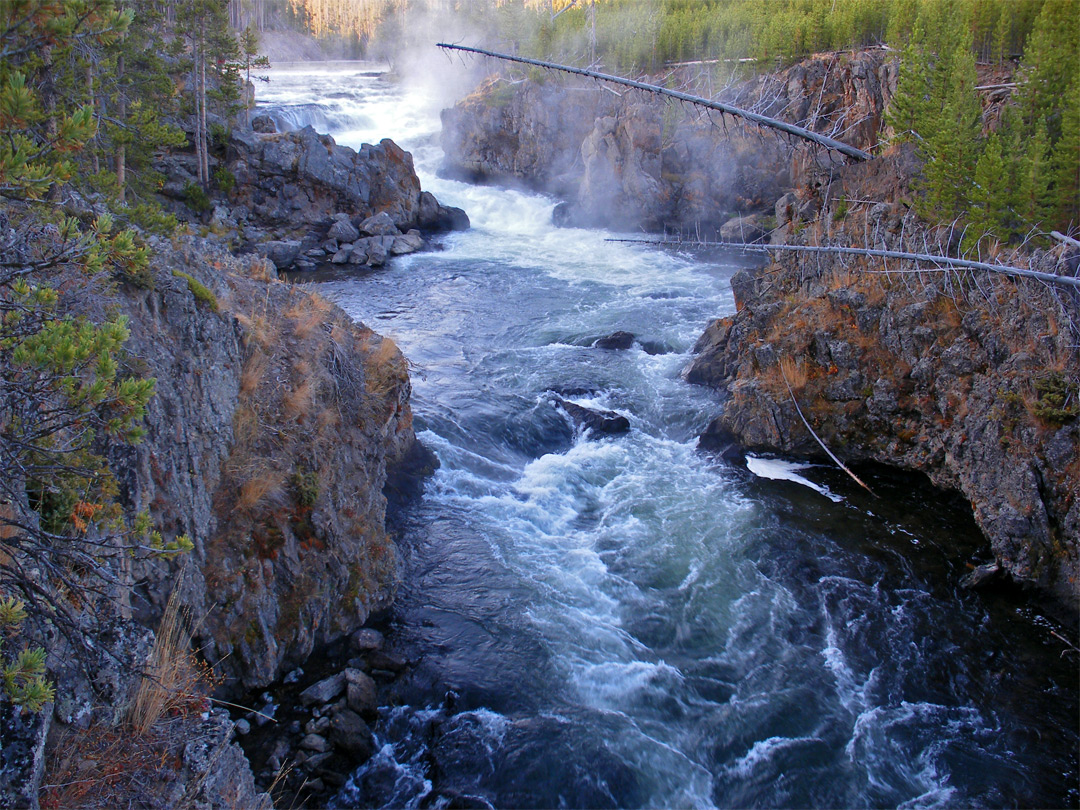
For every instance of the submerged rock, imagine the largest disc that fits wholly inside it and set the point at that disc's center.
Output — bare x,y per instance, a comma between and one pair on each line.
616,340
594,419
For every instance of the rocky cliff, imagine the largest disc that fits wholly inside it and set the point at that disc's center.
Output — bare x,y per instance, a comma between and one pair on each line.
967,377
636,161
268,442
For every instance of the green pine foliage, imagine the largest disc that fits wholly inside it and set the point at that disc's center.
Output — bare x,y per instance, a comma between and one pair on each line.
22,673
65,400
1024,177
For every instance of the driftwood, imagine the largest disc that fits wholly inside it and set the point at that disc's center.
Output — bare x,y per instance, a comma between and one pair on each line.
1050,278
762,120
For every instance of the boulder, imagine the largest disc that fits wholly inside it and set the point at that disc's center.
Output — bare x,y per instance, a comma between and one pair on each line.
360,693
433,216
376,251
349,733
281,252
323,691
407,243
616,340
343,231
316,743
367,640
264,124
594,419
381,224
982,575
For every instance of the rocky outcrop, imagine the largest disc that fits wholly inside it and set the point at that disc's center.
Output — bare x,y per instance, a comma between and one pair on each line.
268,443
301,200
966,379
636,160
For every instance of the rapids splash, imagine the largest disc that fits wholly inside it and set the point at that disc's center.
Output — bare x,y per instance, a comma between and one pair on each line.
627,622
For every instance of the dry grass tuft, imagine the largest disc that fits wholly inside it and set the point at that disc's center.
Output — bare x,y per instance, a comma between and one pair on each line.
794,373
174,679
263,485
261,270
309,313
299,401
253,373
386,367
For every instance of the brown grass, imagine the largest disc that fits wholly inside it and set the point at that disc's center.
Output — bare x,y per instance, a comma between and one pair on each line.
104,767
174,679
309,313
298,402
794,373
253,373
262,485
386,367
245,425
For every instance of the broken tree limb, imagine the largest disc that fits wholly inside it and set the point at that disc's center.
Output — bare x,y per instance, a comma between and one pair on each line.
1068,240
817,438
1049,278
761,120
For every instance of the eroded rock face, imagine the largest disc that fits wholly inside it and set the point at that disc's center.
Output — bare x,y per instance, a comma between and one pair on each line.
635,160
268,443
303,199
293,178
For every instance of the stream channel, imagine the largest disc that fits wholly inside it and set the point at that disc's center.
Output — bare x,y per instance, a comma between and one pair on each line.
629,622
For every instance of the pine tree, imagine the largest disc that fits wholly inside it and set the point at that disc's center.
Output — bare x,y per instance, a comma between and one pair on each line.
988,211
1065,163
62,398
1033,201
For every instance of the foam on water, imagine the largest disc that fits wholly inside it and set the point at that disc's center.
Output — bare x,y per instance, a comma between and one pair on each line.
777,469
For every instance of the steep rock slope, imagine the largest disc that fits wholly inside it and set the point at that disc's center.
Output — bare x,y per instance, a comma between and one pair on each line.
268,443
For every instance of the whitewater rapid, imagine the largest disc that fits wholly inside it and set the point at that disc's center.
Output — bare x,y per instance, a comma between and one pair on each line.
629,622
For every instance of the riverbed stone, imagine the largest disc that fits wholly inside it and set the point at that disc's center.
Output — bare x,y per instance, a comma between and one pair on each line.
323,691
360,693
315,742
407,243
367,639
349,733
616,340
282,252
343,231
381,224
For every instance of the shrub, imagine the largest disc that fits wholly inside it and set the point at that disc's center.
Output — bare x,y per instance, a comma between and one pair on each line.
196,198
199,290
1057,400
224,179
22,676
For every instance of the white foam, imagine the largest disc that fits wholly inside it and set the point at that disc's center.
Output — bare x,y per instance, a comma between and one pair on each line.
776,469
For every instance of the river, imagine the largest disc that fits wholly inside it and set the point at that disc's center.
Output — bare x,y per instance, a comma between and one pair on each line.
627,621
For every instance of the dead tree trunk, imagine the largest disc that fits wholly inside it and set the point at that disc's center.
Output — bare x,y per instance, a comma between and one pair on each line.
1050,278
761,120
